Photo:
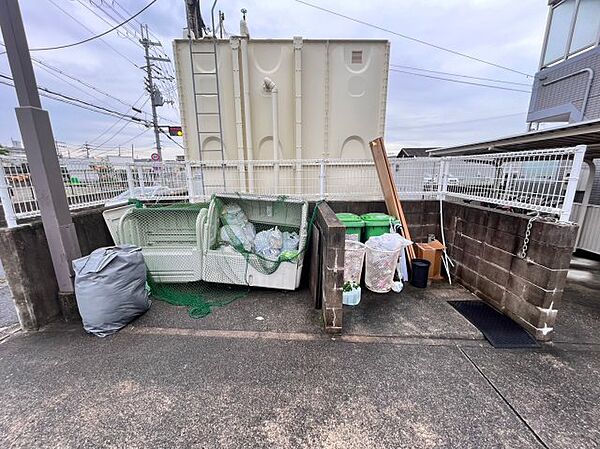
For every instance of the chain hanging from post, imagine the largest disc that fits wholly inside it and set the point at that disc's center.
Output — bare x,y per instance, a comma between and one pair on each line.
522,254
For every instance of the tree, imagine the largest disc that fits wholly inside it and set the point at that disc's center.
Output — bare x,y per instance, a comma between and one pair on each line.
3,151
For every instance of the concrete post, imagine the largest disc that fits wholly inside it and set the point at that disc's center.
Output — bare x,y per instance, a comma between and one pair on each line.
40,148
9,210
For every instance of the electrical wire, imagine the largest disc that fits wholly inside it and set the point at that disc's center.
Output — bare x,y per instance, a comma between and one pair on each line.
414,39
45,95
59,47
171,139
460,82
91,31
460,122
82,102
118,121
495,80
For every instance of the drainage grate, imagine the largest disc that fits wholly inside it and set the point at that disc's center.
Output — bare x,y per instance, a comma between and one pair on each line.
498,329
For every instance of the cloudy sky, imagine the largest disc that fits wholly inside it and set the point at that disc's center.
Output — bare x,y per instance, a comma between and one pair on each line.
421,111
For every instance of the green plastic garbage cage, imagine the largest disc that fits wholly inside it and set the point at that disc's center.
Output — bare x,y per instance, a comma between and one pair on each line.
353,223
377,223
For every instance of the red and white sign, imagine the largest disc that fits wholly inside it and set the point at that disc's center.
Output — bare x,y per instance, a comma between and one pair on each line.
155,157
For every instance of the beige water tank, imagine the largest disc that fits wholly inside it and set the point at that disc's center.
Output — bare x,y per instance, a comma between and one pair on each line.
332,97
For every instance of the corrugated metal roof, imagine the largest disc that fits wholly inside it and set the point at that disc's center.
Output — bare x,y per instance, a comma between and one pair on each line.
582,133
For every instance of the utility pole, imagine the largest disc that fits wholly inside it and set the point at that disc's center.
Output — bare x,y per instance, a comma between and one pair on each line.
156,98
132,153
38,139
87,150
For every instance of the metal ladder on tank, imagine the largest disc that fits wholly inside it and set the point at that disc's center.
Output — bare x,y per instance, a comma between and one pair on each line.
213,186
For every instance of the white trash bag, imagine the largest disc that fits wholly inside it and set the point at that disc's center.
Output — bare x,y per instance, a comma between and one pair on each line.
382,259
236,235
354,256
268,244
291,241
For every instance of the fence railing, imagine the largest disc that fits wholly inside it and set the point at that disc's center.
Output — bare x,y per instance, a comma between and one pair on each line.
542,181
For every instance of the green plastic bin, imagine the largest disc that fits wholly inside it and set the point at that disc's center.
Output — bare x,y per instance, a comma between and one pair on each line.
353,223
377,223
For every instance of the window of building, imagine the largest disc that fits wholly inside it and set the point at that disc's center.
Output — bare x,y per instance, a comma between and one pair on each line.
587,24
574,26
558,34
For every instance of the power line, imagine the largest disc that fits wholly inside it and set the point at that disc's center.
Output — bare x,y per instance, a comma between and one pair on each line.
91,31
460,82
104,20
46,95
495,80
118,120
414,39
82,102
171,139
59,47
460,122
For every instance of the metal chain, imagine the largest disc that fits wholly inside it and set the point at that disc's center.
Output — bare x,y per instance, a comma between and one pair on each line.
523,253
537,217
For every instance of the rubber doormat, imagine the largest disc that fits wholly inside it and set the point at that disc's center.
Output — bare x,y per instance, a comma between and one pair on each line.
498,329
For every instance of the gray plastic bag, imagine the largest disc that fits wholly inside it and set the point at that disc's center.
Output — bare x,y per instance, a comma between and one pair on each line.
110,287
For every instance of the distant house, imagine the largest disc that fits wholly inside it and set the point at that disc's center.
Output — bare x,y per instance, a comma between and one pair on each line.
414,152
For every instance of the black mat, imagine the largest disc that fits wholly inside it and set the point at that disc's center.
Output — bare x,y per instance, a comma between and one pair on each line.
498,329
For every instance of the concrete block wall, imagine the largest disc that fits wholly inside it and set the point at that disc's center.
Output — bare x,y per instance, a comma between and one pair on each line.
422,216
26,259
332,237
484,245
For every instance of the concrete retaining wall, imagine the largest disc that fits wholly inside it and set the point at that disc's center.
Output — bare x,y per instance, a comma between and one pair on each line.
422,216
29,272
484,245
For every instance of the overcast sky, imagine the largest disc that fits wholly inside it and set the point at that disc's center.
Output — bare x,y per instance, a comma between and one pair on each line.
421,111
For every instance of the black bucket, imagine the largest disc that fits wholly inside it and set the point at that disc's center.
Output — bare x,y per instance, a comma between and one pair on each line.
420,272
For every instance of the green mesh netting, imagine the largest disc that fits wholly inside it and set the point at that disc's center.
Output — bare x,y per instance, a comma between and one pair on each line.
169,236
199,297
282,216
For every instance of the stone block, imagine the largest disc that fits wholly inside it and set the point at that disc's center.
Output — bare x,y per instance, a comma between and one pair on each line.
560,235
497,256
538,274
502,240
549,255
467,276
533,294
493,272
470,261
525,310
476,231
472,246
477,216
333,319
490,290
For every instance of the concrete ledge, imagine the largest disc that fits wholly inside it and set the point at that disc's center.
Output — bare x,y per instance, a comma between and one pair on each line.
26,259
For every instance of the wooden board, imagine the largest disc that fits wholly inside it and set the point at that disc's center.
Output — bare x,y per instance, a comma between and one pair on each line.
390,193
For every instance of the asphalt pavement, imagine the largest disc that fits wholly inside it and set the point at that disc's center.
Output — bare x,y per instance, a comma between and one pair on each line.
259,373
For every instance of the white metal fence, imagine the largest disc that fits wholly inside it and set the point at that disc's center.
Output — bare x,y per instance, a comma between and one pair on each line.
543,181
589,231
